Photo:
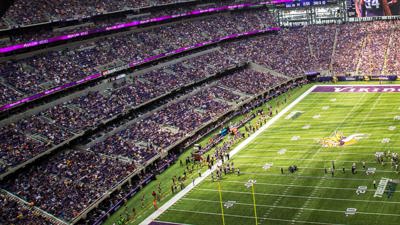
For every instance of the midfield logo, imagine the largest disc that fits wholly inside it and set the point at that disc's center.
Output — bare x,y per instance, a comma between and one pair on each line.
338,139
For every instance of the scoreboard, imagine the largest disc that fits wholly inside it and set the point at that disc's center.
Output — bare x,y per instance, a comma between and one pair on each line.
304,3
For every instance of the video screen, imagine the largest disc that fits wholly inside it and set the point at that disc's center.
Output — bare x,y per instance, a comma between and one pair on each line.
369,8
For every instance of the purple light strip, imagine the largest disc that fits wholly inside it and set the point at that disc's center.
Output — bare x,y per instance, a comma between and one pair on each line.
134,23
130,65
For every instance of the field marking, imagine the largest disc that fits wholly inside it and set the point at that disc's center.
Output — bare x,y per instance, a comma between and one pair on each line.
252,217
288,138
288,188
302,151
297,159
321,123
322,180
349,115
349,104
315,131
159,221
299,186
303,167
322,113
289,207
299,196
188,188
356,85
301,176
359,145
322,130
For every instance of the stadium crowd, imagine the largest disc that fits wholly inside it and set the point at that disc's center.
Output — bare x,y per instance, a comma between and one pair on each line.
13,211
293,52
38,133
44,71
68,182
360,47
392,55
44,11
71,180
45,33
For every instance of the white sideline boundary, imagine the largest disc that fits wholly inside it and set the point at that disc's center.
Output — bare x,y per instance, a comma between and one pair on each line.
189,187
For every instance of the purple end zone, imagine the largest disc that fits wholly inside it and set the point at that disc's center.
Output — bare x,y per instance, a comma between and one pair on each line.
163,223
358,89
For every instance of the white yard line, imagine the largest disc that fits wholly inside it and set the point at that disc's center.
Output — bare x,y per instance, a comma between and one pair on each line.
303,167
171,222
301,151
279,199
300,196
319,107
356,85
314,131
359,145
299,186
300,159
188,188
322,122
313,139
252,217
349,114
301,176
287,189
295,208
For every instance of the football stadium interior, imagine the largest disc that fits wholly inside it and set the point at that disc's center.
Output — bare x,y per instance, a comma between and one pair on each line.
199,112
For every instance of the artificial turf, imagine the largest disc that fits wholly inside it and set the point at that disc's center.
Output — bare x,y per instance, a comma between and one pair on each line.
308,196
176,170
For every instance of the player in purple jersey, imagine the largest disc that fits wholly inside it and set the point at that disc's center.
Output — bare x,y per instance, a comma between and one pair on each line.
368,8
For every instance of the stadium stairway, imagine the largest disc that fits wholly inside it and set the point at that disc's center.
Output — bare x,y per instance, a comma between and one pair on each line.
387,52
334,48
359,56
243,95
263,69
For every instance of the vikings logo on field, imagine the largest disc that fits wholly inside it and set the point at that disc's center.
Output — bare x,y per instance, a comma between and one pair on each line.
338,139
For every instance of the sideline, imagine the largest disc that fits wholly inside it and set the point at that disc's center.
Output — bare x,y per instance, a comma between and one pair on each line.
189,187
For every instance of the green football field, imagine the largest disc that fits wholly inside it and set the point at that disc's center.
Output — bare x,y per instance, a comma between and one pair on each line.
309,195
